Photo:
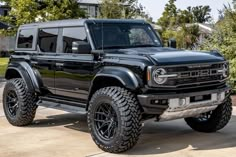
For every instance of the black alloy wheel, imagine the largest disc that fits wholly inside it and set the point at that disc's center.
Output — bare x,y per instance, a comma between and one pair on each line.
12,103
106,122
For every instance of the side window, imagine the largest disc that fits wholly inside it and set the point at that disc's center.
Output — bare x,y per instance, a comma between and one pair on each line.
25,38
73,34
47,39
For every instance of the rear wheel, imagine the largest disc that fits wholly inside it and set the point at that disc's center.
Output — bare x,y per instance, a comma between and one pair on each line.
213,120
19,103
114,119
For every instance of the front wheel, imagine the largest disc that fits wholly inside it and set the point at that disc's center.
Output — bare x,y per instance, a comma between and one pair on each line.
114,119
213,120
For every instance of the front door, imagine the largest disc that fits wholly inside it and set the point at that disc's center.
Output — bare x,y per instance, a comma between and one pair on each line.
74,71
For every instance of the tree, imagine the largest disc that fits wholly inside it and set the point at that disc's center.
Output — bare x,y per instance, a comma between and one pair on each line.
223,39
184,16
201,14
111,9
169,15
133,8
28,11
122,9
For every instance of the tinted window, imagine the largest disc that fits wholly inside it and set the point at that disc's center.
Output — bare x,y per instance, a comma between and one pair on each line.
119,35
48,39
25,39
139,36
73,34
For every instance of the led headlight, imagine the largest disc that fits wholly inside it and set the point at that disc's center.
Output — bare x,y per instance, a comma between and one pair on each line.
225,70
159,76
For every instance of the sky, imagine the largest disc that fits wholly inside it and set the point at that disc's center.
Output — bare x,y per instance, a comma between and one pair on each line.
156,7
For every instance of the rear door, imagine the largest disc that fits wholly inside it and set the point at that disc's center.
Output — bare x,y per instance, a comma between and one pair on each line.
44,60
74,71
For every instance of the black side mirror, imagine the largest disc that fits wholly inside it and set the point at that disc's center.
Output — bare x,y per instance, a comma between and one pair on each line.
172,43
81,47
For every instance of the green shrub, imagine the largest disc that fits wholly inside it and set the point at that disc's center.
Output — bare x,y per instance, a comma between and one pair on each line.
3,66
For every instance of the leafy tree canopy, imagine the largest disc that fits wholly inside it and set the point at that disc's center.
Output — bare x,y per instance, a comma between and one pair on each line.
174,23
201,14
28,11
122,9
172,16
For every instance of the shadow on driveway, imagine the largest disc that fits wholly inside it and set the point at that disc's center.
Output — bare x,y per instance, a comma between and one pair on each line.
157,138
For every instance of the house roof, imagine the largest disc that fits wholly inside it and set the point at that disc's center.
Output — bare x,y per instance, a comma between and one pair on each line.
206,28
89,2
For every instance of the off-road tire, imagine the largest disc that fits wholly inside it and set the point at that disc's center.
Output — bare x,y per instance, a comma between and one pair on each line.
218,120
128,113
26,103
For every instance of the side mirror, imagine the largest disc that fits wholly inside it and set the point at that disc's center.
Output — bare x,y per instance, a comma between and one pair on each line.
172,43
81,47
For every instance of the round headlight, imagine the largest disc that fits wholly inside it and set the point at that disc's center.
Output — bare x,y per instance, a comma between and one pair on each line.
157,76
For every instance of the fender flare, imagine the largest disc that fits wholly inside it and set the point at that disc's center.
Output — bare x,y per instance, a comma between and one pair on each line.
125,76
26,72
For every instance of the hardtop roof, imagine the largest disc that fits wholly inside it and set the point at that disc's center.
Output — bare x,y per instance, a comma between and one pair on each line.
79,22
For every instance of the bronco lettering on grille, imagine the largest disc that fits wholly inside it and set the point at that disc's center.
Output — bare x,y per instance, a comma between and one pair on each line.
198,73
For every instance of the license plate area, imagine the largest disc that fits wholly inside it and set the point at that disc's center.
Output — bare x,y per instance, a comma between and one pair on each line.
200,98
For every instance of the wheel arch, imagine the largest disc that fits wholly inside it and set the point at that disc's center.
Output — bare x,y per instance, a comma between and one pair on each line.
23,70
114,76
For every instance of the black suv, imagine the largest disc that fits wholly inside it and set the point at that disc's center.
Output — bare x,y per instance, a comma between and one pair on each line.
119,73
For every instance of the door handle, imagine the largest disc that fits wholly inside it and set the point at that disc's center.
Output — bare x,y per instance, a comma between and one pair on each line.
59,64
34,62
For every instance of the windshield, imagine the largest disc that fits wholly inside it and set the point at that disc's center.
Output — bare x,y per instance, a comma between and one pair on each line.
121,36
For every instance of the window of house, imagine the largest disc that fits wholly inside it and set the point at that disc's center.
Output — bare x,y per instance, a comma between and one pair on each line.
48,39
5,12
73,34
26,38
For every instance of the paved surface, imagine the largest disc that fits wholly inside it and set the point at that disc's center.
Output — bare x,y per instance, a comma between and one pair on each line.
59,134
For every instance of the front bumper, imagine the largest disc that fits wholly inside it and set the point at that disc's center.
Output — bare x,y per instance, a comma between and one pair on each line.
182,105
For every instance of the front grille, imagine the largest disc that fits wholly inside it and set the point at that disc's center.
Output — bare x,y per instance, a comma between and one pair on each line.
201,74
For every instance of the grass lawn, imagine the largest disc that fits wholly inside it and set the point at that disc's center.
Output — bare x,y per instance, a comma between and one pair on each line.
3,66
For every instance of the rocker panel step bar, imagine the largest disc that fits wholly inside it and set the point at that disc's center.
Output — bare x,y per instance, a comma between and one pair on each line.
72,107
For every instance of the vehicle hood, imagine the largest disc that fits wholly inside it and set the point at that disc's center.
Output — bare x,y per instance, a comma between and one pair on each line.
170,56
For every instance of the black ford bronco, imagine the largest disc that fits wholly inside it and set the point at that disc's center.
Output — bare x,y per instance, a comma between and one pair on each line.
119,74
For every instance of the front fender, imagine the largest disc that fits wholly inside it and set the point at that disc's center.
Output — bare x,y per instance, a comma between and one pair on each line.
126,77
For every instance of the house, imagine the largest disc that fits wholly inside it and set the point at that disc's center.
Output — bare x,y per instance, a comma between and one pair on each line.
4,10
91,7
205,30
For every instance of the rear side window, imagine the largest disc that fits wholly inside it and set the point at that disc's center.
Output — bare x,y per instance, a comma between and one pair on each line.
48,39
73,34
25,38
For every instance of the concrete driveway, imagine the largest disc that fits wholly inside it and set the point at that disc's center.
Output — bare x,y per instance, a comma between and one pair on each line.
60,134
